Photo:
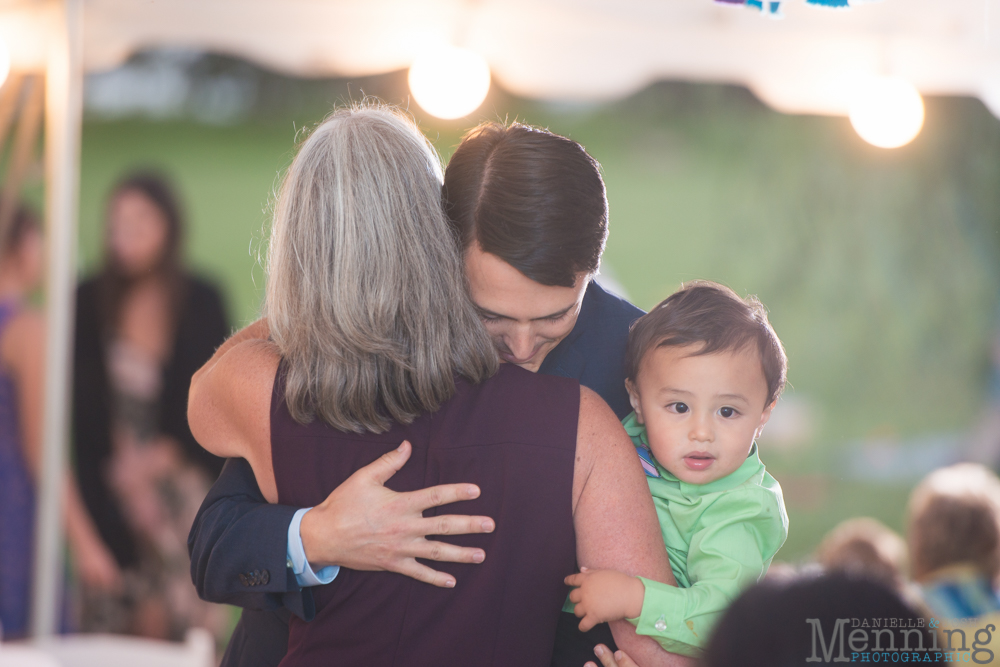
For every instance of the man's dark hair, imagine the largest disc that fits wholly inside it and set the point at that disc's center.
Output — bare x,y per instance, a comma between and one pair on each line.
532,198
714,316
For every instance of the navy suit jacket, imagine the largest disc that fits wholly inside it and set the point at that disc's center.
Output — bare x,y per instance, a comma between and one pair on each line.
238,542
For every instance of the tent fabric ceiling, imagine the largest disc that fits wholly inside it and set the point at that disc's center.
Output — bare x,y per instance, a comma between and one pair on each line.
807,62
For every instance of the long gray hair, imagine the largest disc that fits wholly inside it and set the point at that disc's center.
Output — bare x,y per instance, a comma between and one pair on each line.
366,296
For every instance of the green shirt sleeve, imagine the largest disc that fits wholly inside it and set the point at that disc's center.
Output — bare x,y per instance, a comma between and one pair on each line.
743,529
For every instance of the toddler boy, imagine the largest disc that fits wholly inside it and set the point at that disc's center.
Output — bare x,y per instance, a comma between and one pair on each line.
704,369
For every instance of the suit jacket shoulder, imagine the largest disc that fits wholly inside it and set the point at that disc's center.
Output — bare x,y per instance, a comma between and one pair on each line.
594,352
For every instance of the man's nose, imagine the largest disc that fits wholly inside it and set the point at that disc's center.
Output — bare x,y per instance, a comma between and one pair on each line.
521,343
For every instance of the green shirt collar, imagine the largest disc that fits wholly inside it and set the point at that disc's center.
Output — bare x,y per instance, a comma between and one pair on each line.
750,467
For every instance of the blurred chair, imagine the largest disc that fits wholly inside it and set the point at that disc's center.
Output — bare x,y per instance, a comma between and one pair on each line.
25,656
198,650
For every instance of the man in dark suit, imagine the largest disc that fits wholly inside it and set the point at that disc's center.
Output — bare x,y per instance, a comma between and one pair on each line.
530,211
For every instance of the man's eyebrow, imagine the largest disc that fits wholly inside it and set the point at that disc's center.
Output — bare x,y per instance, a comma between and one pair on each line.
490,314
497,316
555,315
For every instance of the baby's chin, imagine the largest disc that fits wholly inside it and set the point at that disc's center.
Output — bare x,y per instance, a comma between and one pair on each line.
707,475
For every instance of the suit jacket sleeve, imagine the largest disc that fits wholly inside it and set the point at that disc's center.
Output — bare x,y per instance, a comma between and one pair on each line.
237,537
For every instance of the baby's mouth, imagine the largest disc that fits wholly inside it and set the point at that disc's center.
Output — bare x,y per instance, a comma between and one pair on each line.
698,460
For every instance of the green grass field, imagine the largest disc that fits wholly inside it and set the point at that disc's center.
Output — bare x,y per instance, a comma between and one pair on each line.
879,268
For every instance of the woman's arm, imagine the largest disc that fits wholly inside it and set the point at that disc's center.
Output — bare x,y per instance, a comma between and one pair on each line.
614,517
229,403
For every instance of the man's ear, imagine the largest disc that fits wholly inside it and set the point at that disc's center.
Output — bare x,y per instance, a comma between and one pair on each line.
764,416
633,398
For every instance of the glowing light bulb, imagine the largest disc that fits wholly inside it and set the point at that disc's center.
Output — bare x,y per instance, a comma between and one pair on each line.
4,61
449,82
887,112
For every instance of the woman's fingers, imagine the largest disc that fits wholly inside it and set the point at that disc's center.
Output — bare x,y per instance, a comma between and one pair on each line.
442,551
412,568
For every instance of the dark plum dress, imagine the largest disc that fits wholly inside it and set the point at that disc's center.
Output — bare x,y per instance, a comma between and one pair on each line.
513,435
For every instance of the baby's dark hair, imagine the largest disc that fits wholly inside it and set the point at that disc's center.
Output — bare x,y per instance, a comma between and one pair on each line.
715,316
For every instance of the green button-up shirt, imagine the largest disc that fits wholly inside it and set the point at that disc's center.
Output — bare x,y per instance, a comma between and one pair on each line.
720,537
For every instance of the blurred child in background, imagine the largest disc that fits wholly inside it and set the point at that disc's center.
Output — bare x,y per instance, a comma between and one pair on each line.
865,547
954,539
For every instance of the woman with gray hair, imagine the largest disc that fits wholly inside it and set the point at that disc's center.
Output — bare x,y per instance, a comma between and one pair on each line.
369,339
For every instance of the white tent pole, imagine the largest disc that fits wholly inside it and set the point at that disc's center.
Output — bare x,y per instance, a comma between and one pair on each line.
64,111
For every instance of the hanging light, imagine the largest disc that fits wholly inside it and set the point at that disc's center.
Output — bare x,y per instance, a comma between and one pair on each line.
887,112
449,82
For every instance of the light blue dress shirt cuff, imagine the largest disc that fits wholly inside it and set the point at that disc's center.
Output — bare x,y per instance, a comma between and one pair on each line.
303,572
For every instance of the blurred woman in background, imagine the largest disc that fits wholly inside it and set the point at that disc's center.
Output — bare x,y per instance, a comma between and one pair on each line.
22,359
143,327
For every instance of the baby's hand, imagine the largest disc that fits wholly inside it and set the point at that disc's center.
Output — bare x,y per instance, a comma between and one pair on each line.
605,595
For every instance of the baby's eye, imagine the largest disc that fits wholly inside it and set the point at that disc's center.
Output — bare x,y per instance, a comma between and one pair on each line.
679,408
728,412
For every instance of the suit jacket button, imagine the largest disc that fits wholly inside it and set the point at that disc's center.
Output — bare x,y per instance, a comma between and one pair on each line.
265,577
244,580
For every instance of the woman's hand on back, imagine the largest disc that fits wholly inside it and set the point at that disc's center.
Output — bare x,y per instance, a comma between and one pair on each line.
365,526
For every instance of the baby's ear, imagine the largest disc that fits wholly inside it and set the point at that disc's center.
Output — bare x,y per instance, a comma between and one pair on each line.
633,398
764,416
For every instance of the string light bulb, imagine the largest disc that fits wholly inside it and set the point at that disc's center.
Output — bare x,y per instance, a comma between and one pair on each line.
887,111
449,82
